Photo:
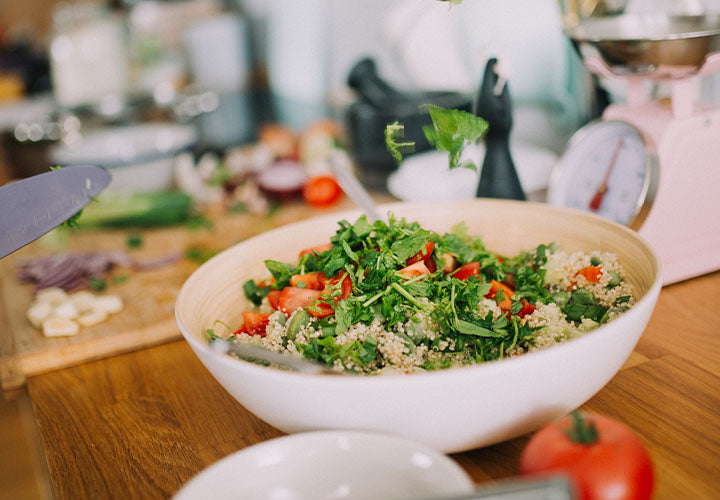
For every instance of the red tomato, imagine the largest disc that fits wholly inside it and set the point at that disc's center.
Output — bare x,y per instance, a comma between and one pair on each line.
466,270
528,308
315,280
422,254
495,287
273,297
345,287
254,323
321,191
415,269
613,464
292,298
316,249
591,273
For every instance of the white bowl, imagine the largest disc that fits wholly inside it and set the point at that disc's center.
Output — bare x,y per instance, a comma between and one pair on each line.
450,410
140,158
330,465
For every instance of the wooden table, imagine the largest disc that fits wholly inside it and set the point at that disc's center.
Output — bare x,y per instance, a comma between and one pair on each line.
139,425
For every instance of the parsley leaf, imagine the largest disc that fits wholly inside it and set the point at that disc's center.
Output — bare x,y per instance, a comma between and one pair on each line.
452,130
393,132
254,293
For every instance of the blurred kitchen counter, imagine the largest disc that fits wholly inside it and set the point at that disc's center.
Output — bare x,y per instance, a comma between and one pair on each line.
142,423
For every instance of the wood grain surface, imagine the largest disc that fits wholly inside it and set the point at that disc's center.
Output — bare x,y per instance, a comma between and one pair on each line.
141,424
149,296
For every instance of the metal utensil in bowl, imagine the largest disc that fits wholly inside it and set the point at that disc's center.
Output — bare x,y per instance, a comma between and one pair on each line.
257,353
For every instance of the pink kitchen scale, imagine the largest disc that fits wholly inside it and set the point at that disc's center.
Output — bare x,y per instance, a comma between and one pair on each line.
652,164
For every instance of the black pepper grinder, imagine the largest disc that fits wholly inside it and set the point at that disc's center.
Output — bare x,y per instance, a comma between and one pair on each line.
498,178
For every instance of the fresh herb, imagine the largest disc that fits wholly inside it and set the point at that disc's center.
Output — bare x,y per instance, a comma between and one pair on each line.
393,133
72,221
281,272
97,284
212,335
452,130
254,293
118,280
134,241
583,304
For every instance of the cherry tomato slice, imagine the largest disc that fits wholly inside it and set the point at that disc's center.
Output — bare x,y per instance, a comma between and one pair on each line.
315,280
292,298
322,191
255,323
422,254
495,287
416,269
273,298
316,249
466,270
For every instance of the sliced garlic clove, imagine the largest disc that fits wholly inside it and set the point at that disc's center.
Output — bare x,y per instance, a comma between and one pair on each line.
110,304
92,318
53,295
38,312
66,309
84,301
59,327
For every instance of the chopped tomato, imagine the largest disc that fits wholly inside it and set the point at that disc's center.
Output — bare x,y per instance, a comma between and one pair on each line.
315,280
273,298
255,323
346,287
528,308
316,249
591,273
417,269
321,308
495,287
422,254
466,270
292,298
322,191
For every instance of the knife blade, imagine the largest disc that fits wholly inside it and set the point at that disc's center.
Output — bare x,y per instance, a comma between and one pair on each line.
31,207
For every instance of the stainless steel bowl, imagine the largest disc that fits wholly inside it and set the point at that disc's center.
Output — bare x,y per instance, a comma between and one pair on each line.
650,45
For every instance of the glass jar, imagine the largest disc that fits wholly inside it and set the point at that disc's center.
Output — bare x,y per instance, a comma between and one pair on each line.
88,58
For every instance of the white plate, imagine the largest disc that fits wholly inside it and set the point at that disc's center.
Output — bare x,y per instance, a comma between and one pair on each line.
328,465
426,176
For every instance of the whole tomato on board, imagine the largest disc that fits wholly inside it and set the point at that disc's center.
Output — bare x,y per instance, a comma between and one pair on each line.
603,458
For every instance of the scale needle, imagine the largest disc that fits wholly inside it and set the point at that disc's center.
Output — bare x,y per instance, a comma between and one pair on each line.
597,199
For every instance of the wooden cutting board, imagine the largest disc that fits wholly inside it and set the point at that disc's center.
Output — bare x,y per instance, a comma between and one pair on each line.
149,296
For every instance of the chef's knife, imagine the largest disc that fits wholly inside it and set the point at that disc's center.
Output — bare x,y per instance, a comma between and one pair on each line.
31,207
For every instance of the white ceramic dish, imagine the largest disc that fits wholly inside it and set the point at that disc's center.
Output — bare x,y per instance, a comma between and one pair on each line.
449,410
141,158
330,465
426,177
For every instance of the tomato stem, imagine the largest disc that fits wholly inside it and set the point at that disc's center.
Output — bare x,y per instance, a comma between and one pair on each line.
582,430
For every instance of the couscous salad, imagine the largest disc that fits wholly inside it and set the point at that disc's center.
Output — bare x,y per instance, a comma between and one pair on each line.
393,297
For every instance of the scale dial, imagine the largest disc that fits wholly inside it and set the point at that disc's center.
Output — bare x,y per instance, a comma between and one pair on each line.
608,169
